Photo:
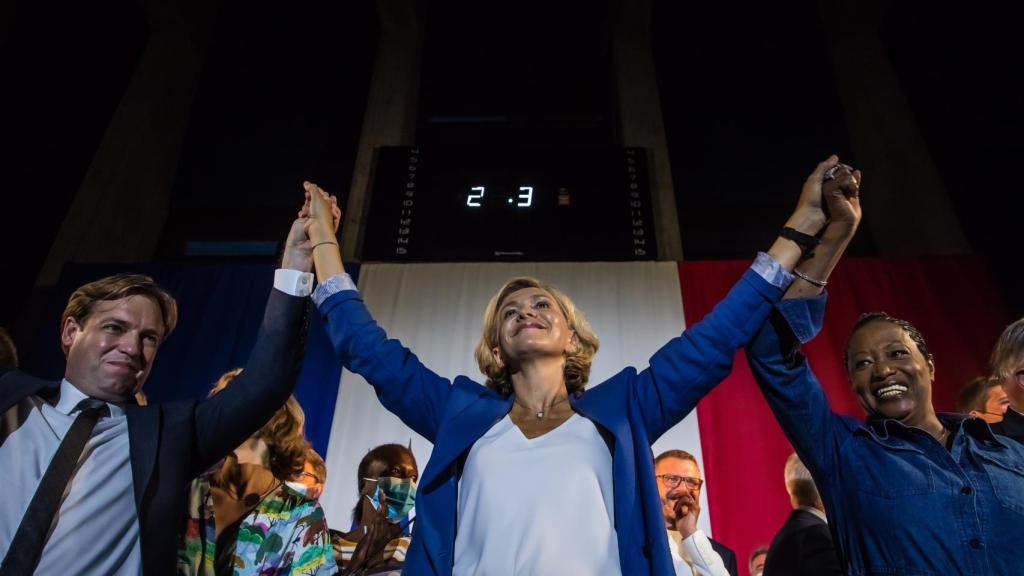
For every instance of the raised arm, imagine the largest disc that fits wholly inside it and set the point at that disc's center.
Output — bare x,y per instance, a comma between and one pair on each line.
403,384
227,419
840,189
688,367
790,387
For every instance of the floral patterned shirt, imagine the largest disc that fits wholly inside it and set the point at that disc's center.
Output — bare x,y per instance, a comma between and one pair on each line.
284,535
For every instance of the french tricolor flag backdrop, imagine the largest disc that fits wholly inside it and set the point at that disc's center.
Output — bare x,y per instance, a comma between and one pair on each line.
435,309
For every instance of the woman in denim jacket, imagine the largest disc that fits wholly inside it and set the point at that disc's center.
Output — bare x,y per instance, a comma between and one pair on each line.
908,491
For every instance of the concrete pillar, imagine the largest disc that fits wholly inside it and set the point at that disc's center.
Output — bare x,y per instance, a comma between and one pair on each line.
391,106
119,210
640,116
907,208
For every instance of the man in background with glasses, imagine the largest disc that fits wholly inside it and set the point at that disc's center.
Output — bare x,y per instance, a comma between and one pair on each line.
679,485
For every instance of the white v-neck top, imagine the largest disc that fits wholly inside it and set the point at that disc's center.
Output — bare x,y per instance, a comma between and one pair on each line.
536,507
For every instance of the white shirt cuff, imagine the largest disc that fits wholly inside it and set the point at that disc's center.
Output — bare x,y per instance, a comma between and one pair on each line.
772,272
331,286
705,559
293,282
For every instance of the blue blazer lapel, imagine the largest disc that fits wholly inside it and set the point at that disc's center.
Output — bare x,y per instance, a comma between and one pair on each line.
143,439
474,410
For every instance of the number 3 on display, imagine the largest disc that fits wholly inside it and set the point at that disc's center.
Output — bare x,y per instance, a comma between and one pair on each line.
525,196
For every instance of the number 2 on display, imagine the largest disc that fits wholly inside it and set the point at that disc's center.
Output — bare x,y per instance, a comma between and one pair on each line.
474,199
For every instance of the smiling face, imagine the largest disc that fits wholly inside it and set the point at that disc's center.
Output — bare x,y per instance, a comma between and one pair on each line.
110,351
531,324
889,374
676,477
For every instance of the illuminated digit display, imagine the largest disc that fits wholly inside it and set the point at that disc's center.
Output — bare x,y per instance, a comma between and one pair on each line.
527,205
474,199
525,198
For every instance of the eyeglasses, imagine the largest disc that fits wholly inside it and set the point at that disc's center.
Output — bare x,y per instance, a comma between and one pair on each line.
671,481
305,474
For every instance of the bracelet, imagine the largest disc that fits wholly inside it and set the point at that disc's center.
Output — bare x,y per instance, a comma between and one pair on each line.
808,279
324,242
806,242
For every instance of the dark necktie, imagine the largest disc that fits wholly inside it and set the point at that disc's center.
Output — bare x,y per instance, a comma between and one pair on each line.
29,540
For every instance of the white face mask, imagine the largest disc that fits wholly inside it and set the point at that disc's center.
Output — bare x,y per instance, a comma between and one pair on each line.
298,487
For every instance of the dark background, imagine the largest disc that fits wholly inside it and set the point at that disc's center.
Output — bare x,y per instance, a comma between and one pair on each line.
748,94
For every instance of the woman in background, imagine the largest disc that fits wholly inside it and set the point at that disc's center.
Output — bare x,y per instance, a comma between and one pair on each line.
244,519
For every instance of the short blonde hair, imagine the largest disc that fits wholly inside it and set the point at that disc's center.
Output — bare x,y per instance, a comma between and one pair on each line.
577,364
1008,352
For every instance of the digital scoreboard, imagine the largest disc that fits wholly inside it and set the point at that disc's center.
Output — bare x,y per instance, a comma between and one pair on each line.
482,205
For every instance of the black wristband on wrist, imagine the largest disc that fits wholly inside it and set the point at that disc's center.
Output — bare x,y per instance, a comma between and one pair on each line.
806,242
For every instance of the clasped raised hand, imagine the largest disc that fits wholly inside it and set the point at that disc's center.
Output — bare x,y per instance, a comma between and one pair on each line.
315,223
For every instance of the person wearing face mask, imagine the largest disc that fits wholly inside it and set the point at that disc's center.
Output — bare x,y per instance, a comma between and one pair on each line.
908,491
382,519
246,517
310,481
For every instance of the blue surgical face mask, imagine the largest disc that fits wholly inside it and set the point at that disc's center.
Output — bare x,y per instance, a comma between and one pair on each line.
400,493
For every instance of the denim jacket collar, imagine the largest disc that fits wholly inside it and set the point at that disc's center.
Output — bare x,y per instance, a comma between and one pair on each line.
882,428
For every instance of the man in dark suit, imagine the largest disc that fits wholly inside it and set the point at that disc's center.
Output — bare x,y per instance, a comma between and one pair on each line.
803,546
121,490
1008,369
727,555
